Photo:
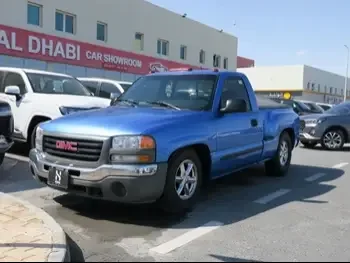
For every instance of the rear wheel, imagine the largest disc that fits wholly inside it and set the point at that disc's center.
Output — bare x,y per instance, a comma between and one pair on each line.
279,165
183,182
309,144
333,140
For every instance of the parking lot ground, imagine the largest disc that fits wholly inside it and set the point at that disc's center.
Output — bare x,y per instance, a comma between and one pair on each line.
245,217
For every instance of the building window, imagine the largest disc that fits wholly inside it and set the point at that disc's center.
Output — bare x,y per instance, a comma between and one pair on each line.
319,88
216,61
65,22
313,86
325,89
335,91
202,57
225,63
163,47
139,38
34,14
308,85
330,90
101,31
183,52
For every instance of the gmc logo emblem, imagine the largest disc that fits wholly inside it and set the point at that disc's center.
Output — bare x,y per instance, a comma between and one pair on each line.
67,146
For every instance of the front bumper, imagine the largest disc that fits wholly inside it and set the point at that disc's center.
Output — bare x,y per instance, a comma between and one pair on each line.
311,134
5,144
119,183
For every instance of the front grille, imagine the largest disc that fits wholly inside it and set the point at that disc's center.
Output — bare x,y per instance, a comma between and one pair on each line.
302,125
86,150
6,126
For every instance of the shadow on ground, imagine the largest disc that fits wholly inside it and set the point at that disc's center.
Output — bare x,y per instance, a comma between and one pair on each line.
245,186
319,148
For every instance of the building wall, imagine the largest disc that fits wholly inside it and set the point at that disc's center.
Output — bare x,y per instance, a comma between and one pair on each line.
284,78
243,62
124,18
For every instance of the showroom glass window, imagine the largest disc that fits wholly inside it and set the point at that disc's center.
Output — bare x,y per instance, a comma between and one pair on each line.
101,31
34,14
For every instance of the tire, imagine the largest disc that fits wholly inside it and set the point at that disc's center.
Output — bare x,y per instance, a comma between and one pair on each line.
335,136
309,144
2,156
277,166
32,137
171,202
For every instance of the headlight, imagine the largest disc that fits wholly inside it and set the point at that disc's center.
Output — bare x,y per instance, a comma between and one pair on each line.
133,143
69,110
39,138
132,149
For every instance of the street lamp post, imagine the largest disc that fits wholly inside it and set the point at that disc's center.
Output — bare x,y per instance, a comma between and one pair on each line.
347,71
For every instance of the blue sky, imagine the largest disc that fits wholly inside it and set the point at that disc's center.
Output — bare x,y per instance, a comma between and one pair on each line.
278,32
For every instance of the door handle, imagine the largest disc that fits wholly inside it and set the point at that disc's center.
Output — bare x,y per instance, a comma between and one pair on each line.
254,122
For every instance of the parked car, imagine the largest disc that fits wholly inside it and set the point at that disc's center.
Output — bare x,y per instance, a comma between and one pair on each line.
298,107
313,106
6,129
105,88
324,106
36,96
158,144
331,129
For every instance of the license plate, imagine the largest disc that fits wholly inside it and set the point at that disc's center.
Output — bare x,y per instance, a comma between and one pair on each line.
58,178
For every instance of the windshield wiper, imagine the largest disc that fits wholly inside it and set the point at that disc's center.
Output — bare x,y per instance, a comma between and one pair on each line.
163,104
130,102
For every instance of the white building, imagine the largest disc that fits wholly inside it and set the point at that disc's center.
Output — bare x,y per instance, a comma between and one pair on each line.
300,81
118,39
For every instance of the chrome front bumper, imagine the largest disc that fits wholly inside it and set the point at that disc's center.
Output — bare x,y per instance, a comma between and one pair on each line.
41,165
307,136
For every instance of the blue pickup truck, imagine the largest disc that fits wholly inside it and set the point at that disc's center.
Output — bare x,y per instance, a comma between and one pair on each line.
164,137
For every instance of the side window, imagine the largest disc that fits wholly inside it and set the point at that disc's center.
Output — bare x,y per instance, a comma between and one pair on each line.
234,88
15,79
107,89
2,88
90,85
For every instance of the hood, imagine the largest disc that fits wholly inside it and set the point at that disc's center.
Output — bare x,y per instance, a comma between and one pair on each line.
74,101
118,120
316,116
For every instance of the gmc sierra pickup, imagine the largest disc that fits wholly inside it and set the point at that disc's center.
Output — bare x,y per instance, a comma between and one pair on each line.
164,137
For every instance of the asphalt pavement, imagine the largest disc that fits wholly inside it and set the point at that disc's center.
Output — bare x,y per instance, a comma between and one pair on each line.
248,216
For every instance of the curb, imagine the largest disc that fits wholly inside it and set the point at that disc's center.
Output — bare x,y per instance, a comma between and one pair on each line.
60,249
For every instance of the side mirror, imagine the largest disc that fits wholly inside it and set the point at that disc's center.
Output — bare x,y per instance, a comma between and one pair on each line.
13,91
115,96
237,105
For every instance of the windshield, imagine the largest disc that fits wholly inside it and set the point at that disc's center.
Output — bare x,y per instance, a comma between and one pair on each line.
314,106
194,92
52,84
125,86
340,109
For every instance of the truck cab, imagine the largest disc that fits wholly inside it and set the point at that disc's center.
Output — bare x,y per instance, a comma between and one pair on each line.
164,137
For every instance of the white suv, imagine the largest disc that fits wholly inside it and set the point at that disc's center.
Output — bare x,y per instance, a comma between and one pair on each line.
105,88
36,96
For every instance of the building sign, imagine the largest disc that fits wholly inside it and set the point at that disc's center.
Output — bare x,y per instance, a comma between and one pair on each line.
279,94
27,44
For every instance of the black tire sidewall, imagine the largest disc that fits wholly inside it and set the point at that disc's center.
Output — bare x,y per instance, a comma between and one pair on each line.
309,144
32,136
341,134
284,137
2,157
170,201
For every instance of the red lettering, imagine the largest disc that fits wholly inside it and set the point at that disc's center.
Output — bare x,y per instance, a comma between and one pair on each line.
67,146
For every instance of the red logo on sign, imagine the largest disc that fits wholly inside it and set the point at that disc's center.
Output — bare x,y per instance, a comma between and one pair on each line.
67,146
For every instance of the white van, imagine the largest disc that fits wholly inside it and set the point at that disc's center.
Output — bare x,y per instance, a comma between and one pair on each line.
36,96
105,88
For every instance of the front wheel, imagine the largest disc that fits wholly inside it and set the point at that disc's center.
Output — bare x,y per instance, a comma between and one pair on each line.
333,140
279,165
183,182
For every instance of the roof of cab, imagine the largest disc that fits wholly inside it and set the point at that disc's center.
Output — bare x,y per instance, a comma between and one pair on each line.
198,72
104,79
35,71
